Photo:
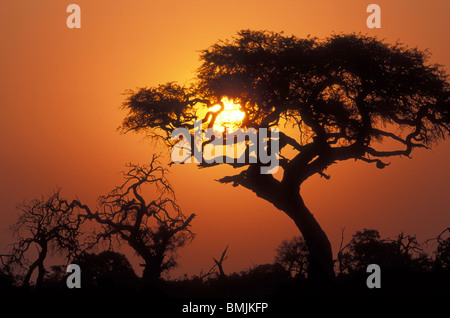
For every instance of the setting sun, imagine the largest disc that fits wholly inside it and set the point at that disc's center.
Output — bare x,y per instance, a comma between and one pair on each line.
231,117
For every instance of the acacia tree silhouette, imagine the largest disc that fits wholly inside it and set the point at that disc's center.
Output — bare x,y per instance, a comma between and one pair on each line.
50,224
344,97
154,228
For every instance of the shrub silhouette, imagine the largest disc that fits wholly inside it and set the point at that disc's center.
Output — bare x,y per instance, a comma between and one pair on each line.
105,270
367,247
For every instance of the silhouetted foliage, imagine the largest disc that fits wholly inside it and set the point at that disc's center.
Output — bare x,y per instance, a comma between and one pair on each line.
105,270
52,226
154,225
56,277
366,247
442,253
267,270
7,280
293,256
341,98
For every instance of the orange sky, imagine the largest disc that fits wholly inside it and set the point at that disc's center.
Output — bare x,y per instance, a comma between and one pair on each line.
60,93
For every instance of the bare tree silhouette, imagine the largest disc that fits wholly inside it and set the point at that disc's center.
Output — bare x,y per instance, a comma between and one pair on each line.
155,228
347,97
217,266
219,263
52,226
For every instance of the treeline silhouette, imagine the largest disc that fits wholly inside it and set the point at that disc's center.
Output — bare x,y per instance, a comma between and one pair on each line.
409,269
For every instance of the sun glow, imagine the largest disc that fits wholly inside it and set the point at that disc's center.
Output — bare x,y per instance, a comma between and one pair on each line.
230,117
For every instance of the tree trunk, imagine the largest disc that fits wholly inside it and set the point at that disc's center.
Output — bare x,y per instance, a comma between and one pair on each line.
152,271
286,197
26,280
320,254
39,263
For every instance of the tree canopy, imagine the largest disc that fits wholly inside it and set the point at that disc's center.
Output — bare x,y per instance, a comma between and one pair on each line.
343,95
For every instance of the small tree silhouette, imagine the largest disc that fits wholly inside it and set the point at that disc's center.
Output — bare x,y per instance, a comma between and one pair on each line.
347,97
52,226
293,256
155,228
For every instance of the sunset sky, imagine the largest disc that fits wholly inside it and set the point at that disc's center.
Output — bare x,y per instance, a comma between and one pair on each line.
61,92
